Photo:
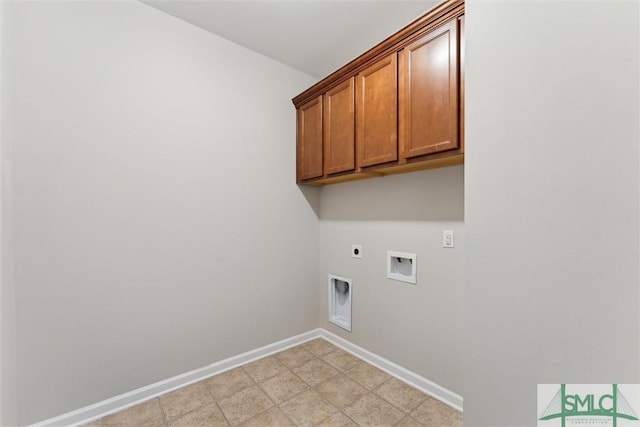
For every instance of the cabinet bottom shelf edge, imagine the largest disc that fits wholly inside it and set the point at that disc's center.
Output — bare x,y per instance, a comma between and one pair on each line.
374,172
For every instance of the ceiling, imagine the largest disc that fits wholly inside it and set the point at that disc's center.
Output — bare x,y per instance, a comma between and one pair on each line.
313,36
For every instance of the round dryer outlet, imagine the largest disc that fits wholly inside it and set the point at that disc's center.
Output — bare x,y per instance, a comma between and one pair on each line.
356,251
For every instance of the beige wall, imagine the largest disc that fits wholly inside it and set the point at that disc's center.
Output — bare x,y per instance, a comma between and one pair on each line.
8,394
551,202
419,327
158,227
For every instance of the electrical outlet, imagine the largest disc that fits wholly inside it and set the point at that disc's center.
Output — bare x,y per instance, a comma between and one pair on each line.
356,251
447,238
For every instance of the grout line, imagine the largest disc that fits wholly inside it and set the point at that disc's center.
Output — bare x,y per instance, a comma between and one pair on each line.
215,402
164,414
351,419
287,416
222,412
307,385
267,394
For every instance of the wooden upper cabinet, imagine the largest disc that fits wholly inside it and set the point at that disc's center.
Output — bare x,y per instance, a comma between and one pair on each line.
428,91
339,128
377,113
398,107
309,140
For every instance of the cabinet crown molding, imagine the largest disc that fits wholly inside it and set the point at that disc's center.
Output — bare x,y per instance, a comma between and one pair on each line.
434,17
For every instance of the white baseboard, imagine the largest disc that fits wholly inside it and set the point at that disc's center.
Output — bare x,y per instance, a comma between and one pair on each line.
427,386
126,400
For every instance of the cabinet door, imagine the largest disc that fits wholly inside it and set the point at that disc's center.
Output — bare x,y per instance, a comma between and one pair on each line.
376,98
339,128
429,93
309,162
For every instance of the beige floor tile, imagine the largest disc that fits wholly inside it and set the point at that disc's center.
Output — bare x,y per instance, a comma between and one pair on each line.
263,369
370,410
338,420
244,405
367,375
206,416
340,390
185,399
96,423
147,414
435,413
228,383
408,422
294,357
283,386
319,347
308,408
401,395
274,417
315,372
309,384
341,360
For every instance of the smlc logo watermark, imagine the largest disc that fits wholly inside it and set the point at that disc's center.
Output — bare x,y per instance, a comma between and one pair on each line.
561,405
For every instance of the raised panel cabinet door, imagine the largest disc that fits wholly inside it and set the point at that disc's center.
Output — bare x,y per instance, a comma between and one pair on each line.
309,144
339,128
377,113
429,93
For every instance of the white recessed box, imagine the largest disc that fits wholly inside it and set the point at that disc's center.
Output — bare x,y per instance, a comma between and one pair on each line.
340,291
401,266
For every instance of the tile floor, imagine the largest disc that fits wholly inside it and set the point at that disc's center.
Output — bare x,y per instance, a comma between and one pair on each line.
313,384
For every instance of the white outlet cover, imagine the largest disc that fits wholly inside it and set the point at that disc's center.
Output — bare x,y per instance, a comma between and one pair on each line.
447,238
356,251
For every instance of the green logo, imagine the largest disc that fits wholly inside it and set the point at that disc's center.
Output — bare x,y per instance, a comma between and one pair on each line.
586,405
